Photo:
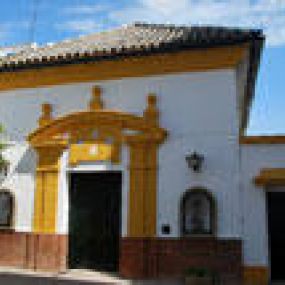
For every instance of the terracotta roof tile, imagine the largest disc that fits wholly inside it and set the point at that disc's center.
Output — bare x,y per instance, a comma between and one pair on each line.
126,40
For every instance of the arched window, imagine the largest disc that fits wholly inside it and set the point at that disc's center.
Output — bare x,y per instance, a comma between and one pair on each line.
6,209
198,213
4,170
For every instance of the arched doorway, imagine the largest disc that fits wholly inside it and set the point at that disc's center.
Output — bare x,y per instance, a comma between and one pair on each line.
105,131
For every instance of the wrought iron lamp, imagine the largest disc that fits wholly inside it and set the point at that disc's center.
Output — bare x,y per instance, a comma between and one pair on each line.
194,161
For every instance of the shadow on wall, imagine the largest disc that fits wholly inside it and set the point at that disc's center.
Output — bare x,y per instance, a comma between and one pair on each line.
28,162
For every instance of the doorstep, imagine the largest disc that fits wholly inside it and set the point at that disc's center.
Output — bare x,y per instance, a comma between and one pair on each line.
79,276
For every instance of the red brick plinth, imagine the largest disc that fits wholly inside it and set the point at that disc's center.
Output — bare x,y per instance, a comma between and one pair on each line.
139,258
47,252
169,258
34,251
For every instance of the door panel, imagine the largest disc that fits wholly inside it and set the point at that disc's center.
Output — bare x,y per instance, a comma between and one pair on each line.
276,233
95,220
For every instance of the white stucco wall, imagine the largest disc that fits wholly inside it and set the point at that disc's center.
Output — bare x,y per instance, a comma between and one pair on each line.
201,112
204,99
21,181
254,230
198,109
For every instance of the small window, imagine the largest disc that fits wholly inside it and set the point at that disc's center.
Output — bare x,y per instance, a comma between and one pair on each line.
4,170
6,209
198,213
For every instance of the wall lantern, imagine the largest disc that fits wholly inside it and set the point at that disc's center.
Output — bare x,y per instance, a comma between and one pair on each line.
194,161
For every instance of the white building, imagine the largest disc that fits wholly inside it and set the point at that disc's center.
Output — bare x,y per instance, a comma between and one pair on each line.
127,152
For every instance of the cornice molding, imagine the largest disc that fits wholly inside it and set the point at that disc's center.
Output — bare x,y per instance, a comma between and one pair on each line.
248,140
270,176
139,66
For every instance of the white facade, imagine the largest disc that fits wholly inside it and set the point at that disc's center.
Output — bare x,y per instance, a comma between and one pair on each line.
200,110
255,235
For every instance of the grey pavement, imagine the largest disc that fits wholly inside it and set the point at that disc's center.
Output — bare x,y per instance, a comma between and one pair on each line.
74,277
11,276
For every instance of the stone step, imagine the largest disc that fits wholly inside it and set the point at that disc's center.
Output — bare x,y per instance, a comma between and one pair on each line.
13,276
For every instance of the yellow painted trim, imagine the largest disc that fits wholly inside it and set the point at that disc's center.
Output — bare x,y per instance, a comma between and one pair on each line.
96,102
53,136
50,202
143,176
137,185
270,176
46,116
150,202
255,275
88,152
46,195
143,187
38,216
78,121
158,64
262,140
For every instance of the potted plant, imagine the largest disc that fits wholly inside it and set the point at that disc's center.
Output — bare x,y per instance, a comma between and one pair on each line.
199,276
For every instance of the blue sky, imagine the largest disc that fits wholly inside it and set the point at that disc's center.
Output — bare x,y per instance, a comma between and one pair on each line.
42,21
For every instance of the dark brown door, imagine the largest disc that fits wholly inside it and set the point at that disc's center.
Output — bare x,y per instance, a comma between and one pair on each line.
276,230
95,220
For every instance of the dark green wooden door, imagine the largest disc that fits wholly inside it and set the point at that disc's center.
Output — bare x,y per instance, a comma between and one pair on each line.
95,220
276,233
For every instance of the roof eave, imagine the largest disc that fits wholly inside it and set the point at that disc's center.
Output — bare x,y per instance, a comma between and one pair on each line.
112,55
255,51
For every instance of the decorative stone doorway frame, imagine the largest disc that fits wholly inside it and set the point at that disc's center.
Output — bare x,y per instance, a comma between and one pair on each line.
106,131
